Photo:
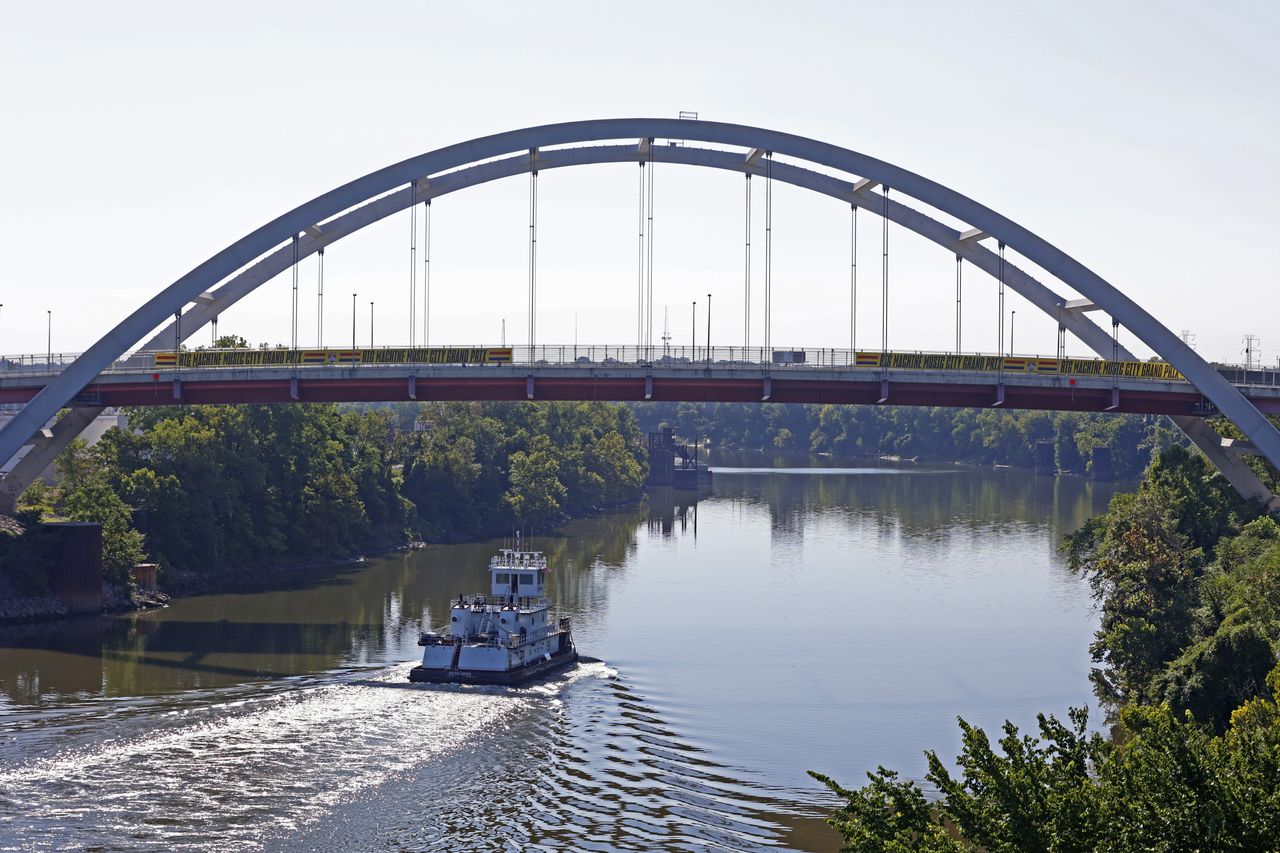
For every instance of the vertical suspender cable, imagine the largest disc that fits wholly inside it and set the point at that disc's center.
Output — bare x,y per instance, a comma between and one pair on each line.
959,292
293,338
768,254
640,265
1000,332
853,284
884,272
426,276
648,310
746,311
320,300
413,262
533,254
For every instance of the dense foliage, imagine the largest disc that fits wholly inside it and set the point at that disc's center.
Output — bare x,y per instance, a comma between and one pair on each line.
477,468
1165,784
979,436
221,489
1187,575
24,555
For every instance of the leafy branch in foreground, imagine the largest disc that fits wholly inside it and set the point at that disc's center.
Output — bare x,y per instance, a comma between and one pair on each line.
1164,784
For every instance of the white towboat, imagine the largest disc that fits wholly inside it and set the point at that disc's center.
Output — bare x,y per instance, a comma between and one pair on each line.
505,637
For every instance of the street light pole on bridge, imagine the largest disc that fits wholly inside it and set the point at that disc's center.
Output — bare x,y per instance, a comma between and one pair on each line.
693,332
708,329
353,328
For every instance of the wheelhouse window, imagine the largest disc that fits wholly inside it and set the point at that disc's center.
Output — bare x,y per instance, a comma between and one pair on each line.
504,578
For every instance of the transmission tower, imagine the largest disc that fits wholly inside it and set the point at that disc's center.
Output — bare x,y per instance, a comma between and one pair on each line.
1250,351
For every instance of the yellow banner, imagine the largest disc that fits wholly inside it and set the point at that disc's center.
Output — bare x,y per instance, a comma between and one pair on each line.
277,357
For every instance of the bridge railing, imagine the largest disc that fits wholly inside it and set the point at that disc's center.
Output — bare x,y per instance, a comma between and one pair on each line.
667,357
36,364
605,355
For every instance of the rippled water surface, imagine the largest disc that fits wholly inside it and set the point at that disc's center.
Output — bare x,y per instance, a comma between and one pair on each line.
801,615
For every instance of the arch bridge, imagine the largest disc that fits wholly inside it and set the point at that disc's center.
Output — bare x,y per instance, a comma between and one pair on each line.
855,179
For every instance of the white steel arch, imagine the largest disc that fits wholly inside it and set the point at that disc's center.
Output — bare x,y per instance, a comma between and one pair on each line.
335,214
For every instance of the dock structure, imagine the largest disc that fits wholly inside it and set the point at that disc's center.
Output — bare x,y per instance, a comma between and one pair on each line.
674,463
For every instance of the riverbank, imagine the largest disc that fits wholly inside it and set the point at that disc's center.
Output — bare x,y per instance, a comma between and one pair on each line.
965,436
235,497
17,609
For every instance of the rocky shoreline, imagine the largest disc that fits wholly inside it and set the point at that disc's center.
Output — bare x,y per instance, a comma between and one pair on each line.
18,609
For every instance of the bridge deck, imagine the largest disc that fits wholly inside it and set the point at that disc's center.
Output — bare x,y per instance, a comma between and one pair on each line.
621,382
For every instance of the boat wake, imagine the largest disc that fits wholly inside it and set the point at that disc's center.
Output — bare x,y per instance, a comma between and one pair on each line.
369,761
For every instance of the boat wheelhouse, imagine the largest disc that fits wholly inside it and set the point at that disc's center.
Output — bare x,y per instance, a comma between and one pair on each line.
506,636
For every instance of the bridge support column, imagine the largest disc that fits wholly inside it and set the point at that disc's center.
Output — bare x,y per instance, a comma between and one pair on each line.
1046,465
768,389
528,387
1115,400
413,387
46,447
1232,466
1101,467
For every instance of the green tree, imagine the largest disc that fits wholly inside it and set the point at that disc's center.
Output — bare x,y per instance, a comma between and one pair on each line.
1163,785
536,493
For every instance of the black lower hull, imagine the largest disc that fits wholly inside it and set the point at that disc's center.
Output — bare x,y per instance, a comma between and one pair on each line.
505,677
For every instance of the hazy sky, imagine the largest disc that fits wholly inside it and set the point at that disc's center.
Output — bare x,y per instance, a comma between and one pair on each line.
138,139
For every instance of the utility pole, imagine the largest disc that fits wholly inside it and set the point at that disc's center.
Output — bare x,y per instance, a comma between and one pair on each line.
708,329
693,331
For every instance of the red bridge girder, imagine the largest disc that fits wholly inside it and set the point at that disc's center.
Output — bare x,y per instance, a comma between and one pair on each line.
683,389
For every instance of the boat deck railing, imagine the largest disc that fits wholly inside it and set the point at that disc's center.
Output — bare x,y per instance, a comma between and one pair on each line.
427,638
523,602
527,560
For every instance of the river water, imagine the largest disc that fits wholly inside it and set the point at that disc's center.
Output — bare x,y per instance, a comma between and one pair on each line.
800,615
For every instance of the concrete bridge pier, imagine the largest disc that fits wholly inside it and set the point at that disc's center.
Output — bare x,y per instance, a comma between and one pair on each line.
1102,467
1046,465
76,575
